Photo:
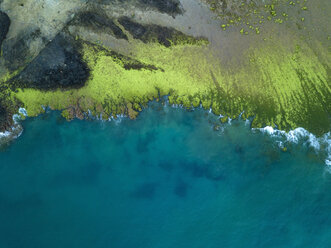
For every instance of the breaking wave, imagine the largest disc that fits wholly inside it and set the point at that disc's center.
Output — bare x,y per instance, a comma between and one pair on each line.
282,138
16,130
301,135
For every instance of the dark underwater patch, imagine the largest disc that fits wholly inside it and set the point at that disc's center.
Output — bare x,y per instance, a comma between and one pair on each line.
181,188
145,191
154,33
213,172
166,165
85,175
195,169
59,65
10,205
99,22
144,141
4,26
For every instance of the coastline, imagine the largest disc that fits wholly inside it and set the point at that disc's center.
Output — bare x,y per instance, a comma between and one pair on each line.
297,137
279,76
165,123
93,183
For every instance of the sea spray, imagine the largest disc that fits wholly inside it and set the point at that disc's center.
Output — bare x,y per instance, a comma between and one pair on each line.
301,135
16,130
282,138
170,170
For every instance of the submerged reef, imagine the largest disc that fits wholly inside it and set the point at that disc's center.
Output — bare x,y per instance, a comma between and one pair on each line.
113,57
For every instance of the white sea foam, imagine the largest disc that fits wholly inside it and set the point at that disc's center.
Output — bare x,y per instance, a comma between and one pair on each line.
16,118
328,165
4,134
23,112
269,130
327,141
313,142
280,144
302,135
294,136
89,114
16,130
177,106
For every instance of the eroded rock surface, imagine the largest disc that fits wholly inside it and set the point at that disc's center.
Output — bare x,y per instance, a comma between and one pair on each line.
59,65
4,26
269,61
100,22
154,33
171,7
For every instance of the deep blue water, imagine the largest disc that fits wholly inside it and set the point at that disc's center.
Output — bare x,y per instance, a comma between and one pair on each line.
167,179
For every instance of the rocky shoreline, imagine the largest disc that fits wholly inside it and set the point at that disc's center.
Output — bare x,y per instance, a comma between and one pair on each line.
113,57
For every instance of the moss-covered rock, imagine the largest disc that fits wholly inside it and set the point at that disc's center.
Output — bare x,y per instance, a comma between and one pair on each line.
154,33
279,78
251,15
98,21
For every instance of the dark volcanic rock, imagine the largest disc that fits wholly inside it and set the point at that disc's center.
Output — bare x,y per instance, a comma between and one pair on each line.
16,51
2,115
154,33
5,120
137,30
170,7
4,26
126,62
59,65
99,22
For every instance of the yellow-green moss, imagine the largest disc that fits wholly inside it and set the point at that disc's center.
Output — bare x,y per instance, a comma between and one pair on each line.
239,13
279,84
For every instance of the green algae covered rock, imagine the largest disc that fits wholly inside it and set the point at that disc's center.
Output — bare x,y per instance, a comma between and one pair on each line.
277,74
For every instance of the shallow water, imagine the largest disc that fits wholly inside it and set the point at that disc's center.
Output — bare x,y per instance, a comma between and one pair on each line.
167,179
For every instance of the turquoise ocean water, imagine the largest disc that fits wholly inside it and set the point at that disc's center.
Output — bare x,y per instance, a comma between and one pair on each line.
167,179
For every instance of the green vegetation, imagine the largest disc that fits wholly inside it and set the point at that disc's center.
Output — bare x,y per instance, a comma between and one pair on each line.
280,76
253,14
277,85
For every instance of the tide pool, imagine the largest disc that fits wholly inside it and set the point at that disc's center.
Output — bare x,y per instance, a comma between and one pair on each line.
171,178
